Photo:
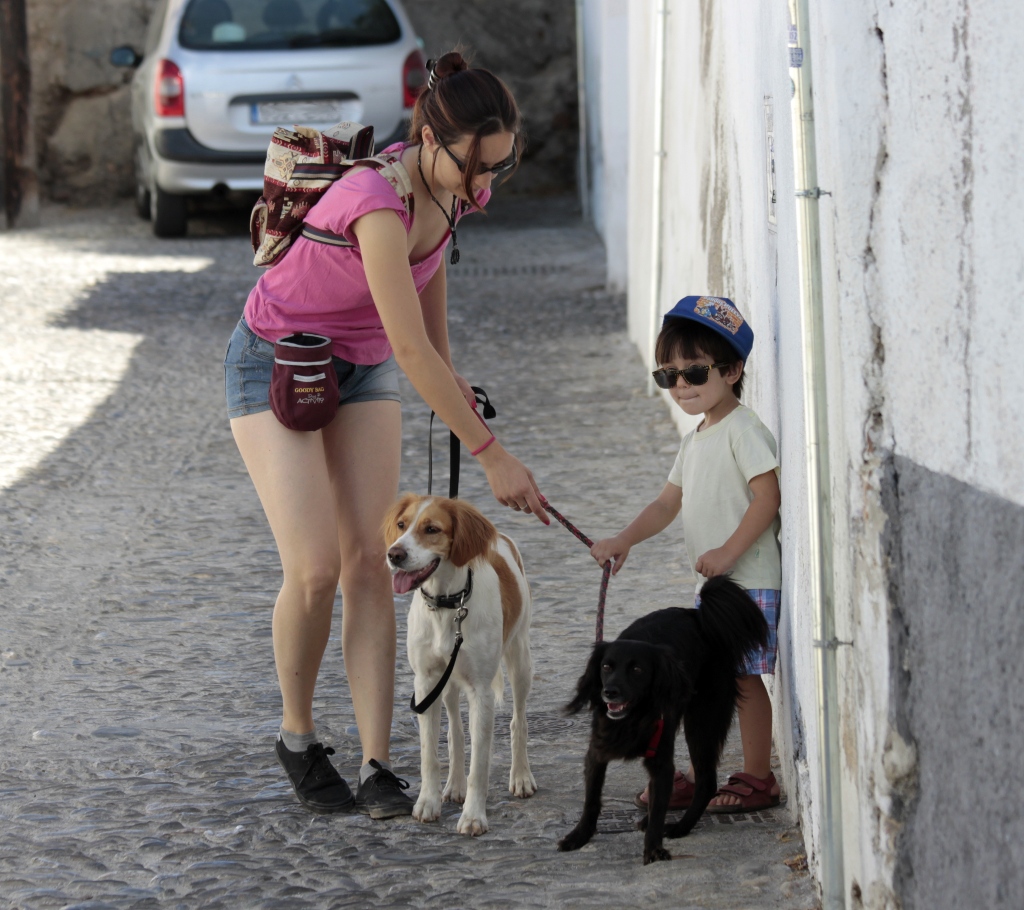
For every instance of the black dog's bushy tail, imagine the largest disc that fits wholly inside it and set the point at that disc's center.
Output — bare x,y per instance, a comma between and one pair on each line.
730,620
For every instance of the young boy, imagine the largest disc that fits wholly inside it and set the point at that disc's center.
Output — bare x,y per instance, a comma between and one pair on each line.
725,480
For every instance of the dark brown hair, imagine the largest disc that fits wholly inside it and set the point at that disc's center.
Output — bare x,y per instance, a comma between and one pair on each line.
689,340
465,101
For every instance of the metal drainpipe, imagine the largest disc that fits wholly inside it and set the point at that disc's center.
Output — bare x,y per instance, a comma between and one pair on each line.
581,103
660,32
819,481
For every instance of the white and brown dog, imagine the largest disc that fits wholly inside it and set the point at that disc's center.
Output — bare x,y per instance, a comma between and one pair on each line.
466,575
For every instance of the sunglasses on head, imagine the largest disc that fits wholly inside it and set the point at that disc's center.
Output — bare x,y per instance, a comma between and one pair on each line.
697,374
498,168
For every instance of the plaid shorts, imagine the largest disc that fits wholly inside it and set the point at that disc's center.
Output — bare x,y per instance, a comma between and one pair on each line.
762,660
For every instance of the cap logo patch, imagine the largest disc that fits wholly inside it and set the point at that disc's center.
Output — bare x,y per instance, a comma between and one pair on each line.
721,312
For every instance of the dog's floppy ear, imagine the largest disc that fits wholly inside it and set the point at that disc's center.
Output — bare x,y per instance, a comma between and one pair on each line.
389,527
472,534
671,681
588,688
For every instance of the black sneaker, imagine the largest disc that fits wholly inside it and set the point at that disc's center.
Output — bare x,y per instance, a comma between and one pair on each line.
316,782
381,796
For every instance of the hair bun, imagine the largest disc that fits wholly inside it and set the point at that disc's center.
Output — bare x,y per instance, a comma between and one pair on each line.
444,66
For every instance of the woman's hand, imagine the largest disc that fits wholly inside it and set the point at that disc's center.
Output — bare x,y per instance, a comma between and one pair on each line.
512,482
610,548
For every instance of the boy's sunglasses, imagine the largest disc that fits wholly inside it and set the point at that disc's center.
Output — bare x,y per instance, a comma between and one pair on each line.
697,374
498,168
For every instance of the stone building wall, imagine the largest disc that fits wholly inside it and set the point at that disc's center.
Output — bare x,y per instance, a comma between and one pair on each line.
81,103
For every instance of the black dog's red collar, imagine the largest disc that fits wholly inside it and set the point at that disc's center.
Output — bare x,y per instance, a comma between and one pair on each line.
652,746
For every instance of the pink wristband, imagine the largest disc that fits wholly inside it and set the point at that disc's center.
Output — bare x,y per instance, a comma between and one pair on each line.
476,452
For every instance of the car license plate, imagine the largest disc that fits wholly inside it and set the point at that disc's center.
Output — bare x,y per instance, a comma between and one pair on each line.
283,113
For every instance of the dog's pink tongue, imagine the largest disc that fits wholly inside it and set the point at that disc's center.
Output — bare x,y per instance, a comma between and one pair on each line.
403,582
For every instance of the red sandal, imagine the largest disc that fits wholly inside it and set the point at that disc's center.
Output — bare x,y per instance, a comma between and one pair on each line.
754,793
682,794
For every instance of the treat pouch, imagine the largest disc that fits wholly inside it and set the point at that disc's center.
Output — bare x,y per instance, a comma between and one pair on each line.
304,384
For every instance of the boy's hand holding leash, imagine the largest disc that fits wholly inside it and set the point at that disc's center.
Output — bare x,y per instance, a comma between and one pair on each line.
611,548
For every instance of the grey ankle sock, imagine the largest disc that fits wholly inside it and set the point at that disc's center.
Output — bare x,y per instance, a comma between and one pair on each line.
368,769
298,742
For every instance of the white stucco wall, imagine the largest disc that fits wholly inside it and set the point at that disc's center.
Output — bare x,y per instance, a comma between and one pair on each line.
727,89
932,255
606,55
919,135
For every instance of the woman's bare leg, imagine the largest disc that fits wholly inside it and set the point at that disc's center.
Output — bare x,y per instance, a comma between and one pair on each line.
289,471
363,446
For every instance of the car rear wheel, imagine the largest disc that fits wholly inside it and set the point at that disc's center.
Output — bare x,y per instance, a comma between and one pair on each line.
170,213
142,200
142,194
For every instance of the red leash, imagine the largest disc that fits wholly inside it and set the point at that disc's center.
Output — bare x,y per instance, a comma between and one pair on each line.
606,571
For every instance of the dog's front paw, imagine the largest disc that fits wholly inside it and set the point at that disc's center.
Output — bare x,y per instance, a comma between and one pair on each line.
427,808
472,824
656,854
678,829
574,840
521,784
455,791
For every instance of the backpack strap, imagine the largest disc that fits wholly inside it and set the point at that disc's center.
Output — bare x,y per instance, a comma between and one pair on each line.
319,235
390,167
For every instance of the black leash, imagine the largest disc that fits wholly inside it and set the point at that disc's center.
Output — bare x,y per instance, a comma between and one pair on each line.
455,447
450,601
455,602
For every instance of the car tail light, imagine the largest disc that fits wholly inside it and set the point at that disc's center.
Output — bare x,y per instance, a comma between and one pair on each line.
414,78
169,90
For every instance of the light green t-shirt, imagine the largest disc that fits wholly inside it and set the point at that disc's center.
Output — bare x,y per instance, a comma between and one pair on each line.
714,468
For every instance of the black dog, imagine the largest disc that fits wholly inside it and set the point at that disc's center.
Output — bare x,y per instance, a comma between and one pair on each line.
669,667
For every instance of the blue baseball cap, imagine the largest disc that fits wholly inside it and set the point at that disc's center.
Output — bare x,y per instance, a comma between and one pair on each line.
720,315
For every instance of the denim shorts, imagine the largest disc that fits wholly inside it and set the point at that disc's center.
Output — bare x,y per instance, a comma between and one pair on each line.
250,359
762,660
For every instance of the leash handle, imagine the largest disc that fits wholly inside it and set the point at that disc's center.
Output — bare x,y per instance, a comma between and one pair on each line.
605,572
454,446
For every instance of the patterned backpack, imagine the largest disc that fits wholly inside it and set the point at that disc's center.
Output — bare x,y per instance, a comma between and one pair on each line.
302,164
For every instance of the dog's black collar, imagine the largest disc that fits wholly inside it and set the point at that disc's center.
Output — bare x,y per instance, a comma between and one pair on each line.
450,601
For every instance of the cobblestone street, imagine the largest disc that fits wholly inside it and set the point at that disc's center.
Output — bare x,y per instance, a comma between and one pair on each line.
137,576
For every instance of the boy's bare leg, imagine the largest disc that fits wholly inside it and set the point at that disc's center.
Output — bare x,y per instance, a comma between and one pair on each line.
754,710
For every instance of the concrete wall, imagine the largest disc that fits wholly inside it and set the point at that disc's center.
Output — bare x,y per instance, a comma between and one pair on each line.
918,130
81,103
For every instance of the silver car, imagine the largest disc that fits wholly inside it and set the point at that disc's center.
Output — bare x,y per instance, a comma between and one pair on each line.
216,77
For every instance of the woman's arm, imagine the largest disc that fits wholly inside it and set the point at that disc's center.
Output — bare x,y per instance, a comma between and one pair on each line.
383,243
434,306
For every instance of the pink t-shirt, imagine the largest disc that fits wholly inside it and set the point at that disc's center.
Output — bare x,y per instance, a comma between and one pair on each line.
320,288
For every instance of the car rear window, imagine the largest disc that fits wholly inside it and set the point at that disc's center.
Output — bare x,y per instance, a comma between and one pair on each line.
226,25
